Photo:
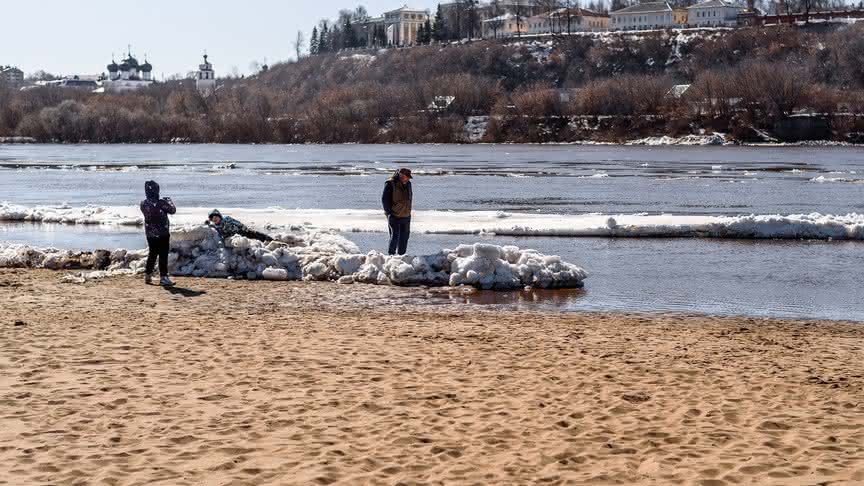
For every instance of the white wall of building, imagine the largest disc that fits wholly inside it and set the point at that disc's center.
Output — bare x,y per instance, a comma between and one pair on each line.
712,14
205,81
641,20
402,25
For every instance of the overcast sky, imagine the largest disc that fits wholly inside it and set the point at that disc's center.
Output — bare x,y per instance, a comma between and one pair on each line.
70,37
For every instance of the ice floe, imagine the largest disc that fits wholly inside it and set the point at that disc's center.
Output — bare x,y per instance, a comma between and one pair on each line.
65,214
198,251
490,223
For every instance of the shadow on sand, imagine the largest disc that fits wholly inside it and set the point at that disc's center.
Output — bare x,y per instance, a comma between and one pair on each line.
184,292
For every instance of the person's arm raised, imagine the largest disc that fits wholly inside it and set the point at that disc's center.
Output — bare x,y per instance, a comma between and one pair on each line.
168,206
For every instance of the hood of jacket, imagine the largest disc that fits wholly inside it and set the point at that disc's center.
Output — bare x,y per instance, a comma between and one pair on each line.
151,190
215,212
395,178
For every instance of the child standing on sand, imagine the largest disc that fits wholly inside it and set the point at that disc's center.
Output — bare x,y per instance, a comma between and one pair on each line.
158,232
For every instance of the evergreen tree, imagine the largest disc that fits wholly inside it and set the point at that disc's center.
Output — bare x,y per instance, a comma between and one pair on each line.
324,39
421,35
313,42
428,31
349,38
439,28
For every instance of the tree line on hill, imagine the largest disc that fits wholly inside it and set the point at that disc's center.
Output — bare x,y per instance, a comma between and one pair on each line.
746,82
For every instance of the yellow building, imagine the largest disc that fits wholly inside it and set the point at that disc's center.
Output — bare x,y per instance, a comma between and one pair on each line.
563,21
679,16
507,25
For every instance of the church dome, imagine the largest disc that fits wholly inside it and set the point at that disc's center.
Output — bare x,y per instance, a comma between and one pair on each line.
113,67
124,66
131,62
146,67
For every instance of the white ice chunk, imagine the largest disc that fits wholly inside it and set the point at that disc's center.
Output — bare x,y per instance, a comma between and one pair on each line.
271,273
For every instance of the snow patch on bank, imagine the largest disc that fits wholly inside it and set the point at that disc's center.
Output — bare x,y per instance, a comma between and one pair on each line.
198,251
689,140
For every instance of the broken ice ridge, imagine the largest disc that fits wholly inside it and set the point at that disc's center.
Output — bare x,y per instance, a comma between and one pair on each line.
303,254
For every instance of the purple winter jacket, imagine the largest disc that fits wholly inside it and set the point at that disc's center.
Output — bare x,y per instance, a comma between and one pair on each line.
156,211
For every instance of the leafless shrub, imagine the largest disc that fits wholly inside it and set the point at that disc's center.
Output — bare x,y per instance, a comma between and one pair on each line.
624,96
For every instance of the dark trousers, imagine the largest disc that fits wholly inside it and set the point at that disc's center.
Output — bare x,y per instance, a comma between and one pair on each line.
257,236
400,230
159,247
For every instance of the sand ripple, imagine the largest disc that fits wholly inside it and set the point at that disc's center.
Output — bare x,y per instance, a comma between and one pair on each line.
112,383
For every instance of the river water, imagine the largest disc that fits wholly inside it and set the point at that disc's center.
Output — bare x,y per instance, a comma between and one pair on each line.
796,279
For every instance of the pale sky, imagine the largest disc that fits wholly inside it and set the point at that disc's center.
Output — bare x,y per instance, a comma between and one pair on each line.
73,37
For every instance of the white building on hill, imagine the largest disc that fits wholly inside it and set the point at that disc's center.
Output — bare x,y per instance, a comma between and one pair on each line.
644,16
205,81
713,13
403,24
128,75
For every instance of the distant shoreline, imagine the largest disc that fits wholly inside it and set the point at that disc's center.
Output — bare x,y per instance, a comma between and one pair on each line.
644,142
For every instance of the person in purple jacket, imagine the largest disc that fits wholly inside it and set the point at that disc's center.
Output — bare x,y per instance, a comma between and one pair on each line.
158,231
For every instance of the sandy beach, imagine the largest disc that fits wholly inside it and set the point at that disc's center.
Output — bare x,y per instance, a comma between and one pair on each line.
230,382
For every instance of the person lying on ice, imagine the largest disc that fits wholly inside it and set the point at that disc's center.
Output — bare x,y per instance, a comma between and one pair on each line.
228,227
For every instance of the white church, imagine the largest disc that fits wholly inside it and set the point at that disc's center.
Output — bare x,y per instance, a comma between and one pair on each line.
205,81
128,75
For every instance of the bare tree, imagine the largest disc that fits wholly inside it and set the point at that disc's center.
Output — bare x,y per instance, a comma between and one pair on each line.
777,89
713,93
807,6
568,13
361,14
519,16
549,9
495,22
547,6
471,16
460,8
299,44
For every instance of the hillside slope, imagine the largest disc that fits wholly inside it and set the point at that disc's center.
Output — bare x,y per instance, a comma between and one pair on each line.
749,84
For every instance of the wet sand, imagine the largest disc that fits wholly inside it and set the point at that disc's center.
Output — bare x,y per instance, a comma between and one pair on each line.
229,383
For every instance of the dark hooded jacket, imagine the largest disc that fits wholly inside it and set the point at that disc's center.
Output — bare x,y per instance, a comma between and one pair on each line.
228,227
397,199
156,211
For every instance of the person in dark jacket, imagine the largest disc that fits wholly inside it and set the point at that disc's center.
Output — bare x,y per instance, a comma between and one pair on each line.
158,231
397,201
227,227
